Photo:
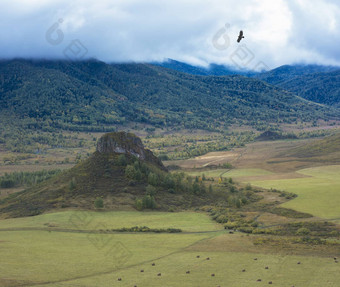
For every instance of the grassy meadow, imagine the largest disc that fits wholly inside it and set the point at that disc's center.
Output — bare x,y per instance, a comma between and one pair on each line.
318,188
318,193
233,173
51,258
86,220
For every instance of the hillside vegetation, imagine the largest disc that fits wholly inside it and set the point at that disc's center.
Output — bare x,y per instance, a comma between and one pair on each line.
120,175
95,96
319,84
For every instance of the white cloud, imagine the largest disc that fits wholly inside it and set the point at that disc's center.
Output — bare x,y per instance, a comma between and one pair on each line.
276,32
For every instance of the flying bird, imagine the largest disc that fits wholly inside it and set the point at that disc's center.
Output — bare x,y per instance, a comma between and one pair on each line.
240,37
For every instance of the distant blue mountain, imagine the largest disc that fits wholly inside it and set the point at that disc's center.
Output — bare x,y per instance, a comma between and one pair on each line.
286,72
319,84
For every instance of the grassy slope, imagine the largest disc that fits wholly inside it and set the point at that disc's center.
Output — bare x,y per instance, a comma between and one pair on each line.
318,194
317,187
234,173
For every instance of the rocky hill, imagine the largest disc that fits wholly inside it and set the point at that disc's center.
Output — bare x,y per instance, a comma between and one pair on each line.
127,143
122,173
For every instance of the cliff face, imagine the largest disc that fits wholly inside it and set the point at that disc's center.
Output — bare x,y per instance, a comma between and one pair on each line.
126,143
121,142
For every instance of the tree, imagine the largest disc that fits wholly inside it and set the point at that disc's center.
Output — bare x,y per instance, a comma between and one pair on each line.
72,184
210,188
122,160
98,203
150,190
196,188
153,179
149,202
139,204
130,172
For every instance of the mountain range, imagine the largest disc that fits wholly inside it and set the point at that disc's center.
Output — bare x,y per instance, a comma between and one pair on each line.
320,84
96,96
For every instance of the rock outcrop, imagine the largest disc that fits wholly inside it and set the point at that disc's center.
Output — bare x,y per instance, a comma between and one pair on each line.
126,143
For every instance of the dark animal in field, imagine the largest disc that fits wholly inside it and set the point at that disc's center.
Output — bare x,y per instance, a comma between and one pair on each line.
197,256
255,258
153,264
270,282
240,37
142,270
259,280
159,274
208,258
213,275
119,279
299,262
244,270
188,272
231,232
266,267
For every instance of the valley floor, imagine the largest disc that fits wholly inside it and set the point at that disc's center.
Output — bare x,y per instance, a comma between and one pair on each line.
49,257
74,248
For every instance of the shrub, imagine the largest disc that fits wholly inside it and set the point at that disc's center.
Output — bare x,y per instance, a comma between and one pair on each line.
98,203
153,179
139,204
122,160
248,187
245,229
303,231
72,184
149,202
150,190
222,218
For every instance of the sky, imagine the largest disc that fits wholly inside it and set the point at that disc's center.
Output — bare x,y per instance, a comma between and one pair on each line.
198,32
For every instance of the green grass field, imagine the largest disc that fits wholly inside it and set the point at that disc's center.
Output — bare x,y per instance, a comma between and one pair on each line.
55,258
227,267
318,194
83,220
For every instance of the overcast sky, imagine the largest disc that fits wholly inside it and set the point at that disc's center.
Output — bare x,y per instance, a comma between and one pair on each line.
200,32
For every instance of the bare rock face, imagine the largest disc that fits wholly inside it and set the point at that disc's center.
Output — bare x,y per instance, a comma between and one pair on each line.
121,142
127,143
